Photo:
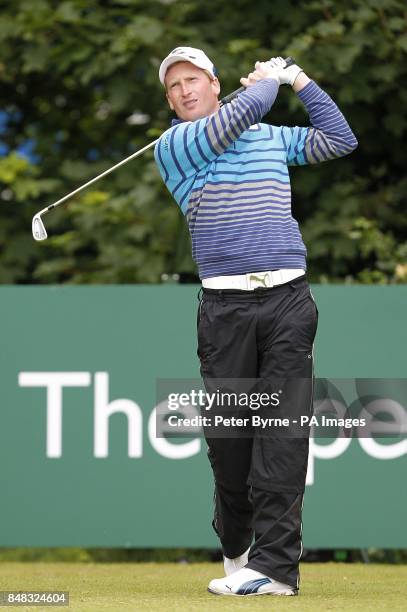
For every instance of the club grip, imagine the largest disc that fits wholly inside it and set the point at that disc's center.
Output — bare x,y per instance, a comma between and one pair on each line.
289,62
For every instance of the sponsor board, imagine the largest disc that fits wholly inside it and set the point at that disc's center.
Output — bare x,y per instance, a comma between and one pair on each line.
83,463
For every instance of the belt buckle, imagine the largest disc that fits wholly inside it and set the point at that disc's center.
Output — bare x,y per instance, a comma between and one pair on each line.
258,280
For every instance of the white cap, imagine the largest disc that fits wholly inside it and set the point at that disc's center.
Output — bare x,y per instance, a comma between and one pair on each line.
187,54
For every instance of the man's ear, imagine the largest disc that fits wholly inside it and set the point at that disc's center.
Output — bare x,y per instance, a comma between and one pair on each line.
215,86
170,104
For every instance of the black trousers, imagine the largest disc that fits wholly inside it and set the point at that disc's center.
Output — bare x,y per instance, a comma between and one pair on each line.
266,335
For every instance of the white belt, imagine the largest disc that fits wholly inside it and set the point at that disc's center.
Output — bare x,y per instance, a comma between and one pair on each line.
254,280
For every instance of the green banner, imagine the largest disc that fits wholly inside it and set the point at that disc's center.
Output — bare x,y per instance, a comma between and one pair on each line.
80,462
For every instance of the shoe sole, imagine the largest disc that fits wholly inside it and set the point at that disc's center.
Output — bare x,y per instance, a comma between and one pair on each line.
252,594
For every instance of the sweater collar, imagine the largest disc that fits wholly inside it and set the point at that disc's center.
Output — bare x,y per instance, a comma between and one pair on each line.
177,121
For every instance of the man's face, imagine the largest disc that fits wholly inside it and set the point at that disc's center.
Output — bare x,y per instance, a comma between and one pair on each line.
190,91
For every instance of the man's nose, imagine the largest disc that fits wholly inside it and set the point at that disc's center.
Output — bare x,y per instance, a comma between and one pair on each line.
185,89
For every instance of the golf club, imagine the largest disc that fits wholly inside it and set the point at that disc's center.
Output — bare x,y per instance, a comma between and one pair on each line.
38,228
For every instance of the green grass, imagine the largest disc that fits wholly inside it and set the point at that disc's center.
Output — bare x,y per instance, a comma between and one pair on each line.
174,587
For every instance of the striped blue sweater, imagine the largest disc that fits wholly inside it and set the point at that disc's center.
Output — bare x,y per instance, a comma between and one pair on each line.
229,175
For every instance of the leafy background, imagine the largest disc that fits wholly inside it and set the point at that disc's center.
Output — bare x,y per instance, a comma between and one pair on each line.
79,92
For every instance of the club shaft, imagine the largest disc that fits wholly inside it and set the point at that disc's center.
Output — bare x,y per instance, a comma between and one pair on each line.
105,173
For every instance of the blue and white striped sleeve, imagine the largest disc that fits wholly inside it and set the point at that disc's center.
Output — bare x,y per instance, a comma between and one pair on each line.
329,137
189,147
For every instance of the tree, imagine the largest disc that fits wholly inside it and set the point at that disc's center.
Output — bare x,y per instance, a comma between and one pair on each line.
79,91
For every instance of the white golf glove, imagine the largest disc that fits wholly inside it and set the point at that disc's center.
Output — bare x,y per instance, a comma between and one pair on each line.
288,75
262,70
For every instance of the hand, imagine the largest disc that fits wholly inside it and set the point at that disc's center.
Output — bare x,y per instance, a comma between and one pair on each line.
288,75
263,70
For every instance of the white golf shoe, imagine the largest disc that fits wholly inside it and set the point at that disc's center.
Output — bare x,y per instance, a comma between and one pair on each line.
246,582
233,565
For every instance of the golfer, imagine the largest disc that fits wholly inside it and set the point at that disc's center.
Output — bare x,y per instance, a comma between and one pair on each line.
257,319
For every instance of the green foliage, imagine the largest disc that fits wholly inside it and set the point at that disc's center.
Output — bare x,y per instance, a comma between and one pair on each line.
177,555
80,79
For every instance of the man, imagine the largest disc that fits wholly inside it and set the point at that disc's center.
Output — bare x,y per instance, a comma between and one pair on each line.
257,319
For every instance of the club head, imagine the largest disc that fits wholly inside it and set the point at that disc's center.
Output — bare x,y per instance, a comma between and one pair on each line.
39,232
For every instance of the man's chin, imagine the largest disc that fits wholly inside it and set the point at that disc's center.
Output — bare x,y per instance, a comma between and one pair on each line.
192,115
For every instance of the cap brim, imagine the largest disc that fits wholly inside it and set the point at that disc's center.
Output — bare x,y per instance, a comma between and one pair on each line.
169,61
